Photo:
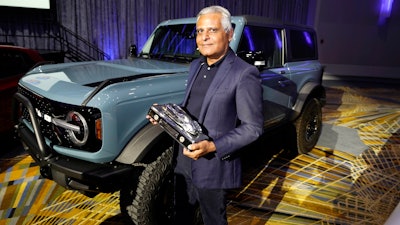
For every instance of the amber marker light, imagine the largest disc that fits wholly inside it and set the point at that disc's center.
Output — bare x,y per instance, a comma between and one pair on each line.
98,130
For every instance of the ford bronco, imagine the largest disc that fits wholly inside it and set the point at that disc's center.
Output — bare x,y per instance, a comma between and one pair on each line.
84,123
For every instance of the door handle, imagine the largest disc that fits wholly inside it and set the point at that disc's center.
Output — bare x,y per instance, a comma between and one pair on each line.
284,83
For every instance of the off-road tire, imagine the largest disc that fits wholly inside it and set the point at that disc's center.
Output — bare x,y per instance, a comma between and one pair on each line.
153,202
308,126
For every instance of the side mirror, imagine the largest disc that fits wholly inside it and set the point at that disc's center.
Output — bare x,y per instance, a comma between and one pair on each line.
255,58
132,51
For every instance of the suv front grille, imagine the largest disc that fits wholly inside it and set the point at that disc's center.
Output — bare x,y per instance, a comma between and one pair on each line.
59,136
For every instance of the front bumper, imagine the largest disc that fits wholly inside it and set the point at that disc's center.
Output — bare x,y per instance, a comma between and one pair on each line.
69,172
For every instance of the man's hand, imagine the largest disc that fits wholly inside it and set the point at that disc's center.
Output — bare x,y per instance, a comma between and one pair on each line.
154,122
199,149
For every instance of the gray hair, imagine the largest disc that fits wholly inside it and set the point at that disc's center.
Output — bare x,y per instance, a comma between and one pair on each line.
226,15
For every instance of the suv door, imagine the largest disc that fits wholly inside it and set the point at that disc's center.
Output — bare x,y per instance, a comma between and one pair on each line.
302,54
264,47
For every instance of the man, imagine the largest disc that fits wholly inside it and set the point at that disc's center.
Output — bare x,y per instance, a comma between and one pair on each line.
224,94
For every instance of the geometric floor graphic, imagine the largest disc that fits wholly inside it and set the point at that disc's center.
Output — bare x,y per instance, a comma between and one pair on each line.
323,187
351,177
328,186
28,199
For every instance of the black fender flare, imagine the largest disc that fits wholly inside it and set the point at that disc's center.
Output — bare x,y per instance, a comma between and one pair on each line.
138,147
309,90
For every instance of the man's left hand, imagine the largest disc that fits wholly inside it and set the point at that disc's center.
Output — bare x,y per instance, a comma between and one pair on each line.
199,149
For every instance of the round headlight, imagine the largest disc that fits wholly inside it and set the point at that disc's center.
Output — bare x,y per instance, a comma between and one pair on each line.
78,138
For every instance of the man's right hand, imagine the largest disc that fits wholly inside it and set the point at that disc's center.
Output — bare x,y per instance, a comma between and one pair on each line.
151,119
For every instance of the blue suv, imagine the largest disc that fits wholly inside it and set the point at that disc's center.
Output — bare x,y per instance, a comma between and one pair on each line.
84,123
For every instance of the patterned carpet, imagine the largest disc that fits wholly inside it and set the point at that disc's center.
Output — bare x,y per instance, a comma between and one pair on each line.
350,177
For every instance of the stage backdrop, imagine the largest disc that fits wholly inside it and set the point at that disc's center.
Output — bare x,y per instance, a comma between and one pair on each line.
114,25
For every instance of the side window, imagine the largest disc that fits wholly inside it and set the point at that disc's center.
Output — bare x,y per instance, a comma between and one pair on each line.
302,45
264,42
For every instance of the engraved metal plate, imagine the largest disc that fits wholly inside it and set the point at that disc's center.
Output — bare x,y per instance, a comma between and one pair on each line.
177,123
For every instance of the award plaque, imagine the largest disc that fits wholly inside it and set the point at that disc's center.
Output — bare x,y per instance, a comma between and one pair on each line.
177,123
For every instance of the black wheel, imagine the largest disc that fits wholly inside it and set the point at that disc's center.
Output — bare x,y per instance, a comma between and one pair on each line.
151,202
308,126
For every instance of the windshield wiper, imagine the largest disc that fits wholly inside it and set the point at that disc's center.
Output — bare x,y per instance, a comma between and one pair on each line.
180,58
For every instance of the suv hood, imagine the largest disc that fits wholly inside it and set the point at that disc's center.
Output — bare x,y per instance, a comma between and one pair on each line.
74,82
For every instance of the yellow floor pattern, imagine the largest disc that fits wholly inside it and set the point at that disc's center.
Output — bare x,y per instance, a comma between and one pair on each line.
326,186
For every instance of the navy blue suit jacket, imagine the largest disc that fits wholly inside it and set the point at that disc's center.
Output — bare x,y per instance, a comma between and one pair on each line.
232,115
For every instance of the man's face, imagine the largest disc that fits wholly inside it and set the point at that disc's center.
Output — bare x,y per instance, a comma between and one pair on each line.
211,39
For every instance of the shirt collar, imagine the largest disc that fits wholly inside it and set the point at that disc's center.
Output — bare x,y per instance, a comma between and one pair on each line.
204,60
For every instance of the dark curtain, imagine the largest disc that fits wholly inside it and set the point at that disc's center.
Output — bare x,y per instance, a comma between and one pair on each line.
113,25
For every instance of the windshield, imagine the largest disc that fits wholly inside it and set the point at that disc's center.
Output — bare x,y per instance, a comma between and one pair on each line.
174,42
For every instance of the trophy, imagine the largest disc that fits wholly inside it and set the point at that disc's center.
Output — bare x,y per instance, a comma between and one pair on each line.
177,123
